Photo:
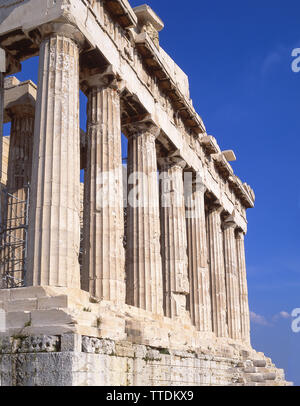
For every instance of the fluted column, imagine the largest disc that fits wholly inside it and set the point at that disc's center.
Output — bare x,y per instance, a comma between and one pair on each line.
18,179
143,257
243,287
173,238
232,280
217,272
199,298
54,218
104,257
20,148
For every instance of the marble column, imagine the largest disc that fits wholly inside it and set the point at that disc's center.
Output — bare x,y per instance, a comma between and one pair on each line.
143,256
217,271
18,179
173,238
104,257
199,298
232,280
54,217
243,287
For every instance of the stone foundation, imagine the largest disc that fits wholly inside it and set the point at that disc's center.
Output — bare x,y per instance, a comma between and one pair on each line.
59,338
42,361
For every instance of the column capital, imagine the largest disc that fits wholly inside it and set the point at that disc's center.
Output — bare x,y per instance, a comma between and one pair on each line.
198,183
216,207
194,183
228,223
63,29
93,78
21,110
145,125
169,162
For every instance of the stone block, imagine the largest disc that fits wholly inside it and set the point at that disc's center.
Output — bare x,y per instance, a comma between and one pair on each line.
51,318
17,320
259,363
140,351
86,318
11,81
254,378
56,302
112,334
125,349
250,370
270,376
20,305
50,330
27,293
35,344
71,342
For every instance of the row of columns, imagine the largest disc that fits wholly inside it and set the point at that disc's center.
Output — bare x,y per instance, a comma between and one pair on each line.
177,259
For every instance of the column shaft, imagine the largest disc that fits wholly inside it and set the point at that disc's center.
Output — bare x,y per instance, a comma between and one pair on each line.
217,273
173,241
243,287
143,262
18,177
54,218
199,298
104,258
20,152
232,282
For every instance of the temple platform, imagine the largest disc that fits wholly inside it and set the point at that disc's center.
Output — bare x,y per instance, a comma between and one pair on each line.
63,337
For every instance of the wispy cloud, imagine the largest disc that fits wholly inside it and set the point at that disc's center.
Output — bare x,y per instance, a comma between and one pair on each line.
258,319
281,315
262,320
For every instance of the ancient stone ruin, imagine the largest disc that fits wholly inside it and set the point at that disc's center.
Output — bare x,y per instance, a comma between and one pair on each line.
144,282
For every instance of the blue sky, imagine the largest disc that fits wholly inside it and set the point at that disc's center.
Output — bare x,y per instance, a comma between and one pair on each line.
238,58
